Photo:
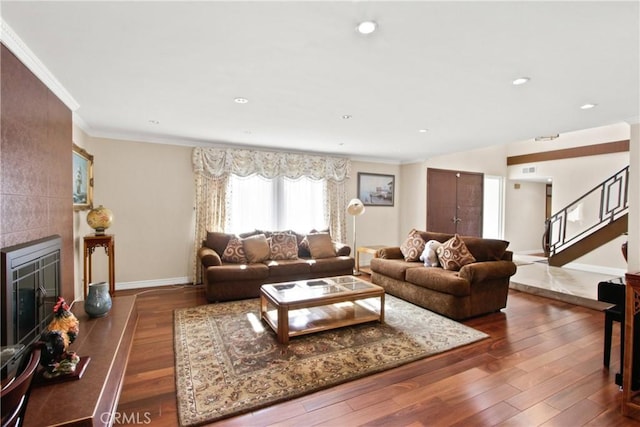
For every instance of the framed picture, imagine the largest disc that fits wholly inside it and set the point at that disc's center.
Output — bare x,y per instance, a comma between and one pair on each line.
82,179
376,189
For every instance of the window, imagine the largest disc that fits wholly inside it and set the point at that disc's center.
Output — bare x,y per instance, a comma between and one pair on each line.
493,207
275,204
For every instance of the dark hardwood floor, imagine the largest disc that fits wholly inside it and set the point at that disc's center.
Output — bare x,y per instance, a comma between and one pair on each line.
542,366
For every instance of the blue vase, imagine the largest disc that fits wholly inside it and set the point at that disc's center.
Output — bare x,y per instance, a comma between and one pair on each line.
98,301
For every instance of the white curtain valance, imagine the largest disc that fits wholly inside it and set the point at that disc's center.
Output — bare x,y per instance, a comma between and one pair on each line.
218,162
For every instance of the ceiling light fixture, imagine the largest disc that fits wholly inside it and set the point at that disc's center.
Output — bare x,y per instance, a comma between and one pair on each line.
587,106
347,116
154,122
241,100
520,81
367,27
423,130
546,138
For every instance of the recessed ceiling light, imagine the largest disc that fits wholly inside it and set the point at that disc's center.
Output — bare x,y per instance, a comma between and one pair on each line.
587,106
347,116
423,130
241,100
367,27
520,81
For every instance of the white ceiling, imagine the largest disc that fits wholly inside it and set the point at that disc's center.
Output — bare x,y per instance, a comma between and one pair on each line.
169,71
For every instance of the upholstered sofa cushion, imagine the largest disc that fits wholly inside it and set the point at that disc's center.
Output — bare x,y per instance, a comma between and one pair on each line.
218,241
395,268
485,249
238,272
440,280
328,266
288,267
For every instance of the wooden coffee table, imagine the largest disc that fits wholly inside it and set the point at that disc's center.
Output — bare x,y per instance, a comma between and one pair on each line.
306,306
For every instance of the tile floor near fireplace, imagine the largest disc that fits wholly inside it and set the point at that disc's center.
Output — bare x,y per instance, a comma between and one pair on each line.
578,287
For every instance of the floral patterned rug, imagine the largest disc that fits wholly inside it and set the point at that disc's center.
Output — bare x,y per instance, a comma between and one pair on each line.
229,362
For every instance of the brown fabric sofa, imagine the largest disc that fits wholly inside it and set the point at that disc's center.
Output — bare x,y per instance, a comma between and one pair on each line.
225,281
477,288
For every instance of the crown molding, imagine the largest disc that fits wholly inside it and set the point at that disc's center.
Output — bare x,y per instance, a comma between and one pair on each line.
14,43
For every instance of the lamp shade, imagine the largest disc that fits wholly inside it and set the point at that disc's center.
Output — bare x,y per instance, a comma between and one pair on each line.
355,207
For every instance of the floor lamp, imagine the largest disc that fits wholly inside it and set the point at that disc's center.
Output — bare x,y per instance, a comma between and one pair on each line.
355,208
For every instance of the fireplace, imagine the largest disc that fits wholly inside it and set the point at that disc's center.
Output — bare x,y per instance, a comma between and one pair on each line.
30,288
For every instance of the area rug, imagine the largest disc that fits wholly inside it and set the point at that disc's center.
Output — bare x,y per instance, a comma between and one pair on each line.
228,361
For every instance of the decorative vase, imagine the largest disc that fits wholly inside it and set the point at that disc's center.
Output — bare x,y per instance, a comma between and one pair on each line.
98,301
100,219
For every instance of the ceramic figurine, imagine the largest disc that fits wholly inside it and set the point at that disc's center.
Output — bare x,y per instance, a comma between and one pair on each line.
62,331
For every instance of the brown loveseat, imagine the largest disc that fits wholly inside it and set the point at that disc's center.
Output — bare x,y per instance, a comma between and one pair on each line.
234,267
477,288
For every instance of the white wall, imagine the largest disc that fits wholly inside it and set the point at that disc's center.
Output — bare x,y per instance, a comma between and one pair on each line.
571,179
490,161
379,225
524,215
150,189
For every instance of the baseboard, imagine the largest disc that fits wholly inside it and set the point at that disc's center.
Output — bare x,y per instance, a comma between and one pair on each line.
121,286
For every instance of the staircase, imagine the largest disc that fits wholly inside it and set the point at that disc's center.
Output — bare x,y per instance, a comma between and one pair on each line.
596,218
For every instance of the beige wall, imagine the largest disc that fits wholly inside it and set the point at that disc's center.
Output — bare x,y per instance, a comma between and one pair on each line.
379,225
150,189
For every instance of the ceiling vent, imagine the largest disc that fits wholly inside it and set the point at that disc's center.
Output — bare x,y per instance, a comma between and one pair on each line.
530,169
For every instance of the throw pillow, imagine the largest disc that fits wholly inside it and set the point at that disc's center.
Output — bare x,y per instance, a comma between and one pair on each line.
234,252
413,246
320,245
256,248
429,255
283,246
453,254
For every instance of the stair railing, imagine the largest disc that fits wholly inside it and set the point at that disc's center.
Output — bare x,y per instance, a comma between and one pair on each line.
598,207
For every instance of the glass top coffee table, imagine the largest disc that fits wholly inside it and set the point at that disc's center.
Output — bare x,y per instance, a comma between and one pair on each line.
306,306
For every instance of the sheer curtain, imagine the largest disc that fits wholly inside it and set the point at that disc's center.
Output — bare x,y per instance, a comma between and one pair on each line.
213,167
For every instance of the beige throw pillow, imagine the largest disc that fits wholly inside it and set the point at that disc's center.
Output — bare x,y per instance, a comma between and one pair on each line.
413,246
234,252
453,254
320,245
256,248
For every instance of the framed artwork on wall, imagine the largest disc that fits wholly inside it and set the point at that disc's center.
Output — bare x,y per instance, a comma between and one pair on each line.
376,189
82,179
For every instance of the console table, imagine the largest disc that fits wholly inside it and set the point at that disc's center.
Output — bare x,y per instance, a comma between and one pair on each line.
93,399
91,242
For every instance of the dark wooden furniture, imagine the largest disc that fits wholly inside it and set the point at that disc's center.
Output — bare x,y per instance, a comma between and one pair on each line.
613,292
108,242
454,201
631,374
15,395
93,399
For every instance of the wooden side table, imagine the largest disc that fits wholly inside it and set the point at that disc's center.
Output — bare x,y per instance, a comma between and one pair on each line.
108,242
371,249
630,400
